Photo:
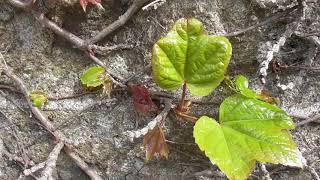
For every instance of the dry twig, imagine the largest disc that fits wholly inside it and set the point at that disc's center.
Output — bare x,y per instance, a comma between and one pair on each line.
273,18
315,118
33,169
134,8
59,136
158,119
51,162
275,48
86,45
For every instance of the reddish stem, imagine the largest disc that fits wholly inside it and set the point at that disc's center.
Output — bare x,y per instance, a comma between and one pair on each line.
183,97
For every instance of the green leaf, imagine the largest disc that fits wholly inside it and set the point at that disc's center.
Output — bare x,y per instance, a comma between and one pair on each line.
250,130
93,77
188,55
243,86
38,98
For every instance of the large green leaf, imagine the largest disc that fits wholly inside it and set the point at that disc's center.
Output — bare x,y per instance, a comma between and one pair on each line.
249,130
188,55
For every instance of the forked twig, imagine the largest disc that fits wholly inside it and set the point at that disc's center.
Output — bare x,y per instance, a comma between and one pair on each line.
86,45
51,162
135,7
59,136
315,118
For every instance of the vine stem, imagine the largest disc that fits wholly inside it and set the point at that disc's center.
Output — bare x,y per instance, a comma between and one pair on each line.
183,97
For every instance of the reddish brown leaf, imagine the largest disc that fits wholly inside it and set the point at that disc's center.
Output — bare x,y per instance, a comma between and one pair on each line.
141,99
155,144
84,3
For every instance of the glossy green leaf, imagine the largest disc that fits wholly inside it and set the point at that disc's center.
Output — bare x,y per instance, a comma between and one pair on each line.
38,99
242,85
93,77
188,55
249,130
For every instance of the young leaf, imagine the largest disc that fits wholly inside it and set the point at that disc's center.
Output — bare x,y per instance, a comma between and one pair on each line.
154,143
84,3
243,87
188,55
93,77
250,130
38,98
141,99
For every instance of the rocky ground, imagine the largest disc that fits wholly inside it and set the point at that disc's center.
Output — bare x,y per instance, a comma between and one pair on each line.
46,61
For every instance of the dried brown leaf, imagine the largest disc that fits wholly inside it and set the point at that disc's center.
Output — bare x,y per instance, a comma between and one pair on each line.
155,144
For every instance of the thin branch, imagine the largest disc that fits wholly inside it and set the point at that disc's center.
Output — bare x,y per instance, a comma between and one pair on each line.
33,169
112,76
72,96
51,162
209,173
18,138
181,143
82,164
134,8
183,96
21,4
154,4
14,90
103,50
49,126
11,157
273,18
273,49
20,161
315,118
9,88
158,119
75,40
81,44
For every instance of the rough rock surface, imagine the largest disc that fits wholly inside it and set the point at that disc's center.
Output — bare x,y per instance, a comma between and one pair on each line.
96,124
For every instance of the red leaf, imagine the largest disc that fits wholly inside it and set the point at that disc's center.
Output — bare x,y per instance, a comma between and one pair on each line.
154,143
141,99
84,3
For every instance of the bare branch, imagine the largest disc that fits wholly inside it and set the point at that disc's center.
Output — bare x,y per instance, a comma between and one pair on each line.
21,4
83,165
315,118
154,4
152,123
113,76
33,169
272,50
103,50
78,42
51,162
48,125
273,18
134,8
4,152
